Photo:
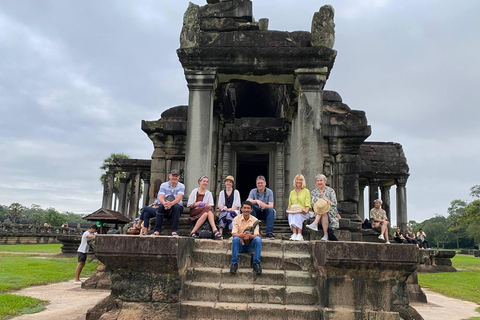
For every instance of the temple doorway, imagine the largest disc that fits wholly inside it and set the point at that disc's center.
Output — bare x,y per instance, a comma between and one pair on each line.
249,166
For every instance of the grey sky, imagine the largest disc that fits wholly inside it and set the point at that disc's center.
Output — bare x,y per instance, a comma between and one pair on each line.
77,78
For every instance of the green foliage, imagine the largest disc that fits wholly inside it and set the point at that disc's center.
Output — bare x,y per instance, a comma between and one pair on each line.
475,191
55,218
106,164
11,304
462,284
15,212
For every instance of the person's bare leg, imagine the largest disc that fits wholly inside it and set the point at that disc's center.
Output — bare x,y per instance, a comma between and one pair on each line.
324,219
220,230
211,220
199,222
317,219
78,271
384,231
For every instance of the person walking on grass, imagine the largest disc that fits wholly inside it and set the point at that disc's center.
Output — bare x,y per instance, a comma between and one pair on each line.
83,251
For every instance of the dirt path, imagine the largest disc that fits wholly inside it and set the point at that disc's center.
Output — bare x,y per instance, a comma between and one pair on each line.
67,301
70,302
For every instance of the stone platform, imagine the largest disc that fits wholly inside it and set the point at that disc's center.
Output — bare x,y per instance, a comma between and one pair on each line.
186,278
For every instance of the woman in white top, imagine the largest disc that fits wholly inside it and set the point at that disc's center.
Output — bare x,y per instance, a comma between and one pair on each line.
229,204
201,204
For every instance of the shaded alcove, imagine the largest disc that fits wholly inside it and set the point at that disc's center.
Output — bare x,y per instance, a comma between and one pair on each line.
249,166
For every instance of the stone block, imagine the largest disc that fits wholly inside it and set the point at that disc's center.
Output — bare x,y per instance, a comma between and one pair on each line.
292,261
236,292
296,278
269,294
202,291
303,247
270,277
211,258
297,295
302,312
260,311
243,275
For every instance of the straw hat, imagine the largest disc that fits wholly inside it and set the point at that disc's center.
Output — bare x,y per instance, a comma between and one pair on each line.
295,208
321,206
229,178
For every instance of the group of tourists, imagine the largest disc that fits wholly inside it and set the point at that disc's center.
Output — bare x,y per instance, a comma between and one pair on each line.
420,240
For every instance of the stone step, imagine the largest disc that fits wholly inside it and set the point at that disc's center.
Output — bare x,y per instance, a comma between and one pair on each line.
276,245
249,293
251,311
246,276
269,260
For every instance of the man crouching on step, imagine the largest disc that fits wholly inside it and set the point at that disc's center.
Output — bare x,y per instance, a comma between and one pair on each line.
246,238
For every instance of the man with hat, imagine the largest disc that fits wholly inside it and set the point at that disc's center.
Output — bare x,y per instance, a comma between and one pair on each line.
170,199
245,239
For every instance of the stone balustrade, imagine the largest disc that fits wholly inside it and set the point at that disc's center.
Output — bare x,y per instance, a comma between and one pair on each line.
31,234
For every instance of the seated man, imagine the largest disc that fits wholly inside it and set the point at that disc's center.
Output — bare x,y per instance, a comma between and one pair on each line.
421,237
262,199
170,199
244,240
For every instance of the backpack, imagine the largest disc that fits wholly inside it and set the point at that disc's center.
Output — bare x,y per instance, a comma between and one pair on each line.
205,231
366,224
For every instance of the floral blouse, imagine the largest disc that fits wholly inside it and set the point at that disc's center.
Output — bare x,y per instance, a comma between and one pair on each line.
329,194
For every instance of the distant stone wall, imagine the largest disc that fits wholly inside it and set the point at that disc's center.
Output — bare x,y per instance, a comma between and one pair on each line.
30,234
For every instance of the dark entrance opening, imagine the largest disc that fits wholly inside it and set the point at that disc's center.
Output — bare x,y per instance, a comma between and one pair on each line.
249,166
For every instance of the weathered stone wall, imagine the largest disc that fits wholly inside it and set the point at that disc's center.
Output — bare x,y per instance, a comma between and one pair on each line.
30,234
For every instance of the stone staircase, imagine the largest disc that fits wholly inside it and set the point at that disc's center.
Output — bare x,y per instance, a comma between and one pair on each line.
285,290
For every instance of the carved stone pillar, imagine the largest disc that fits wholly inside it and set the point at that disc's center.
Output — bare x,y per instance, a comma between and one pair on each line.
108,190
373,185
122,197
361,203
402,218
307,134
146,192
134,196
225,163
199,153
386,201
280,183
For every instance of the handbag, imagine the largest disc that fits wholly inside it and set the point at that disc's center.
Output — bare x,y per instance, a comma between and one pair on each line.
205,231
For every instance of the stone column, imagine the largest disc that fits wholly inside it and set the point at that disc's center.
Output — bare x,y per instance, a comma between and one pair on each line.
225,163
307,131
361,203
198,158
122,198
108,190
373,185
280,183
386,201
146,192
134,196
402,203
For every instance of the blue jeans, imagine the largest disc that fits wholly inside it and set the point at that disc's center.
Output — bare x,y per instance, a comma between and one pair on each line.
255,244
267,214
147,213
174,213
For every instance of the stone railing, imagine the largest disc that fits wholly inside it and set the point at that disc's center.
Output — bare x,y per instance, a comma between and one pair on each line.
26,234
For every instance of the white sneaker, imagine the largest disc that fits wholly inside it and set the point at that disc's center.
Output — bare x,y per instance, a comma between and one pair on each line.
77,282
381,237
299,237
324,238
293,237
388,242
312,226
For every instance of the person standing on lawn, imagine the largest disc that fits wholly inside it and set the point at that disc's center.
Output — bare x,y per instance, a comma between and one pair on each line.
83,251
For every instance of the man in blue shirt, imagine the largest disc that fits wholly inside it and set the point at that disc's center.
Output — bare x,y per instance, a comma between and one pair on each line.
170,199
262,199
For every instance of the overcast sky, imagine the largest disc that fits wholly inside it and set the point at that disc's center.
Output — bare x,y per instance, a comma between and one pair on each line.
77,77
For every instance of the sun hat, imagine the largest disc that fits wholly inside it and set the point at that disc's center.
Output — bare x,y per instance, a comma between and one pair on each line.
321,206
229,177
295,208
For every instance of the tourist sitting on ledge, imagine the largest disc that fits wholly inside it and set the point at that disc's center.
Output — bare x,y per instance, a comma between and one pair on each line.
200,202
398,236
246,238
324,192
229,204
298,207
411,237
262,199
421,238
149,211
170,198
380,221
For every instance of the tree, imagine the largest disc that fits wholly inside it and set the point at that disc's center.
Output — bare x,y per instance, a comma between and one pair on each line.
55,218
475,191
454,224
472,218
3,213
15,212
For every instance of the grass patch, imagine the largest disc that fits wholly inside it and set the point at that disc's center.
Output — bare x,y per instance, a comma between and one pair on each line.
20,271
11,304
462,284
36,248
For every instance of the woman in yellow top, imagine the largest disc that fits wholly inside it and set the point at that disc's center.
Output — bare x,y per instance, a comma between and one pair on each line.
298,207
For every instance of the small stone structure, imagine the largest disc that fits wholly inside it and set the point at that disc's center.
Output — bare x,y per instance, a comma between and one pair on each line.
30,234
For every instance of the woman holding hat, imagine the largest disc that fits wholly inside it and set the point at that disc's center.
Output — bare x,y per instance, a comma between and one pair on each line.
200,202
229,204
298,207
327,193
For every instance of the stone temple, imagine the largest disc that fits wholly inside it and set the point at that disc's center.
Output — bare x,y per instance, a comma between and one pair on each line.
257,106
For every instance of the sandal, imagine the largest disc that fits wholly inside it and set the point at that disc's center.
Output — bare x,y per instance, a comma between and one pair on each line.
174,234
193,235
217,235
156,233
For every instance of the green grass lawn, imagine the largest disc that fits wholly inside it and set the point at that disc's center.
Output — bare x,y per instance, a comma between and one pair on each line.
463,284
37,248
21,271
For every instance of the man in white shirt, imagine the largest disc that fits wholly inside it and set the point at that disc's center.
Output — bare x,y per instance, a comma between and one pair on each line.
83,250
